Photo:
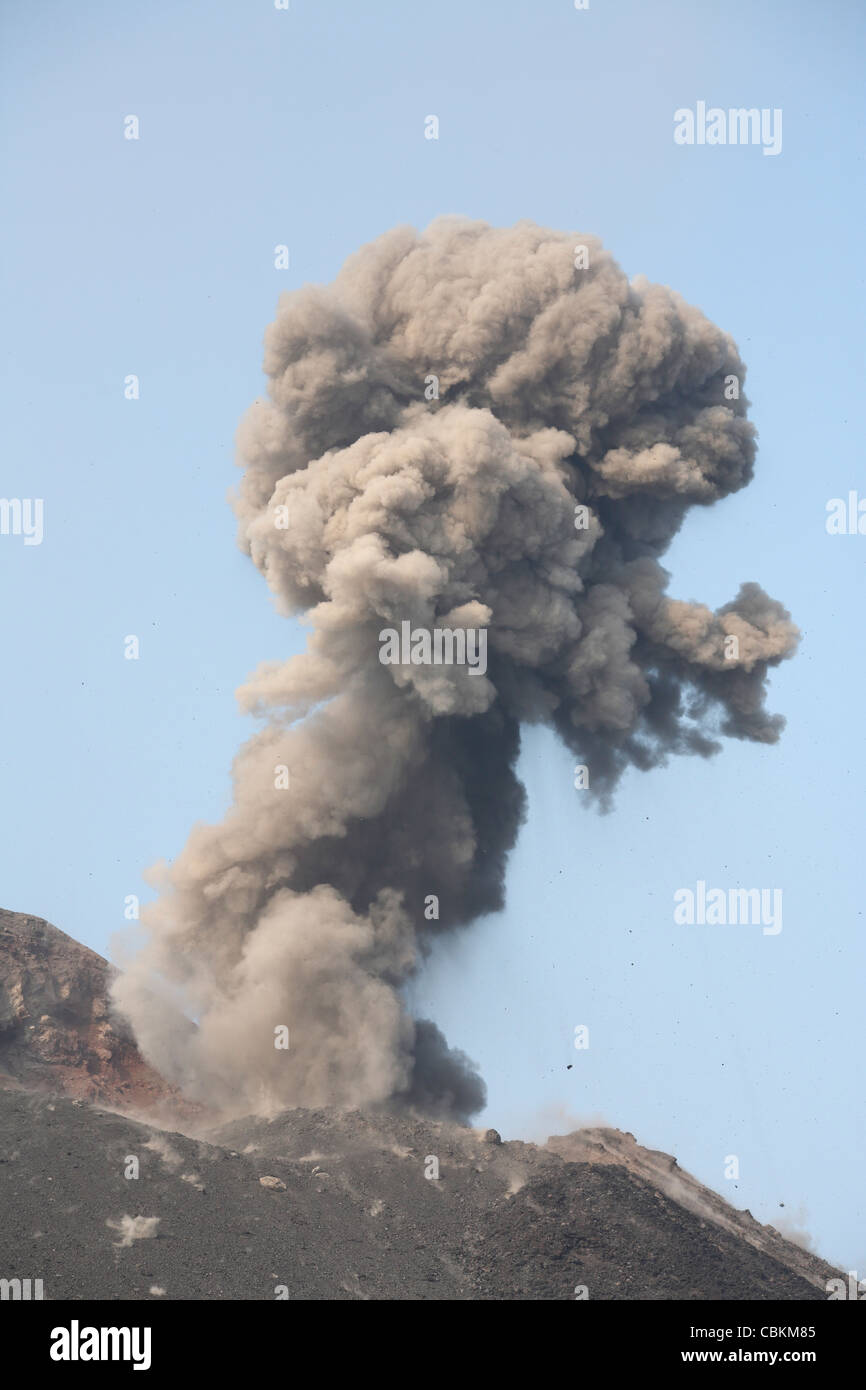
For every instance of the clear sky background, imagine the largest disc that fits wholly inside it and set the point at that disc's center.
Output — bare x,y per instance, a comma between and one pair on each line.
156,257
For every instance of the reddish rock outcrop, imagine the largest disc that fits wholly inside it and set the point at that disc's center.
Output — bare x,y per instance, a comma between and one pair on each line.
57,1030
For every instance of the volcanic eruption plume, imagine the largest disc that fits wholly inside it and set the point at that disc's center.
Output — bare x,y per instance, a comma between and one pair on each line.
474,429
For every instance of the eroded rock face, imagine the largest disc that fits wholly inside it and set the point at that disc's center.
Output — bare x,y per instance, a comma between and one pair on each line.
57,1030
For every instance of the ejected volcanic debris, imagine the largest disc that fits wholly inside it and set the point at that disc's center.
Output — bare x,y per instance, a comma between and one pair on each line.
472,429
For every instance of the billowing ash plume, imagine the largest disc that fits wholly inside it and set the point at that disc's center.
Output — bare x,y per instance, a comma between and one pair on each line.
363,502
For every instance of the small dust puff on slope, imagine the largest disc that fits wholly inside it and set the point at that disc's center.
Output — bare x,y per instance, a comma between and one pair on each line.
132,1228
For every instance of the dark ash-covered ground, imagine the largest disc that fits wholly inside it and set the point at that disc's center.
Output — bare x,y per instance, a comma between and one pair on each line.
357,1219
348,1212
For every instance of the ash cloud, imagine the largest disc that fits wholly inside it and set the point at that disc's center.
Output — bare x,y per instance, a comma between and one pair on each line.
364,505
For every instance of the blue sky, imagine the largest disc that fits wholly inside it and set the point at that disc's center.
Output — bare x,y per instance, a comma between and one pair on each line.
155,257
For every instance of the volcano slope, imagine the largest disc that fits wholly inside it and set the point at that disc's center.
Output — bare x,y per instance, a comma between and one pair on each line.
328,1205
322,1204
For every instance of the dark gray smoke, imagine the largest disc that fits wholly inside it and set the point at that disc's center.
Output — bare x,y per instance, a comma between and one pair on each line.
368,505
